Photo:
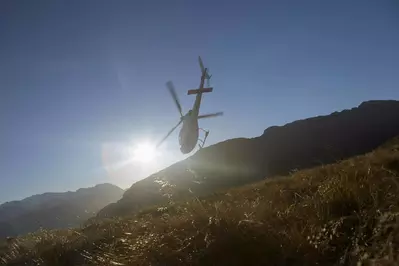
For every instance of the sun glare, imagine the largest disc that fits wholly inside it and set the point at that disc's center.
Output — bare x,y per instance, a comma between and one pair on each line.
144,152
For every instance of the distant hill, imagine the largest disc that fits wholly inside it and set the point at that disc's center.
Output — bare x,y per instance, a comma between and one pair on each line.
55,210
278,151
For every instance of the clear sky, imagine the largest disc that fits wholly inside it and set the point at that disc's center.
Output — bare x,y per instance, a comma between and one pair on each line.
81,80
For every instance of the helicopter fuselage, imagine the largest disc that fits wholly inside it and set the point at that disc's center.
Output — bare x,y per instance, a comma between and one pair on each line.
188,136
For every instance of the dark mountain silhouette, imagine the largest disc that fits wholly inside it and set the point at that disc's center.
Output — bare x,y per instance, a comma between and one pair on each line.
55,210
279,150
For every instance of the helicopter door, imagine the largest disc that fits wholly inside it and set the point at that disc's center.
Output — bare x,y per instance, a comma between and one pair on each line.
184,133
180,137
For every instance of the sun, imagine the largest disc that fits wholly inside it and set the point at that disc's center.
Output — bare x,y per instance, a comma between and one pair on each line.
144,152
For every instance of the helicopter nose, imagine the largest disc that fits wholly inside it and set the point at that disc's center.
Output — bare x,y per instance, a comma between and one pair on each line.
182,149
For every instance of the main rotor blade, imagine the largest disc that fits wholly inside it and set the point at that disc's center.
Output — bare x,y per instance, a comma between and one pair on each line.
172,90
210,115
167,135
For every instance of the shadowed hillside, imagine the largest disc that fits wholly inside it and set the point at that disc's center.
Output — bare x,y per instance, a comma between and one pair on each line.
279,150
55,210
340,214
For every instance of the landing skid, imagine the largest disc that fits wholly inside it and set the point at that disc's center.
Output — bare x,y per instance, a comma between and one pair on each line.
203,141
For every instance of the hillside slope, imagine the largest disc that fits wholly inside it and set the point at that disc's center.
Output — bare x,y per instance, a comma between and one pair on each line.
279,150
55,210
339,214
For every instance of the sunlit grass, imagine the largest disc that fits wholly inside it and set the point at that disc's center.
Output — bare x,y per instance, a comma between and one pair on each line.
344,213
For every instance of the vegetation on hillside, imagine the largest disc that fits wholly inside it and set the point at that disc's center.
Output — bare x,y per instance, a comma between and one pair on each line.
299,145
344,213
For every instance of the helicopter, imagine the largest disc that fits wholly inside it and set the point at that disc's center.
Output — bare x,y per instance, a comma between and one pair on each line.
189,132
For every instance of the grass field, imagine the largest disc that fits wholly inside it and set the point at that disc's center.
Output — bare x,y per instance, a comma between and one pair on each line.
340,214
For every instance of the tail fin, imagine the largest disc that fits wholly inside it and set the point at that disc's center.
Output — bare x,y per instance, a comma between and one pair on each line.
203,69
201,64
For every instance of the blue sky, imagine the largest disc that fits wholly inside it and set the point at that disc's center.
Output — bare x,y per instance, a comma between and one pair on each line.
81,80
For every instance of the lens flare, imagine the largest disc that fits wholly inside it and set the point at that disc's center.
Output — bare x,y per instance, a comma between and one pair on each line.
144,152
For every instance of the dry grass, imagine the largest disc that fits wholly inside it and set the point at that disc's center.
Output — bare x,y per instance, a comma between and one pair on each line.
346,213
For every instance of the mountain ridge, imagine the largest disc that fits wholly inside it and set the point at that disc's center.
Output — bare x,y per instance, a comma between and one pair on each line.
55,209
279,150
